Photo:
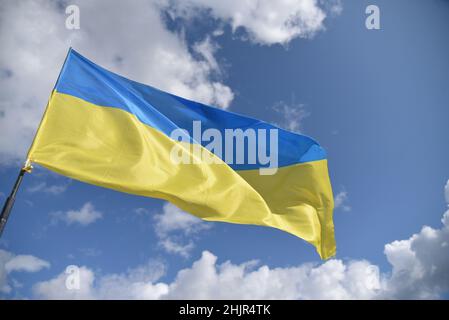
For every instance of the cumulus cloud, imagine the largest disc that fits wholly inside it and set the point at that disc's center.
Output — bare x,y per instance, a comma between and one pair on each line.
56,288
86,215
134,284
331,280
419,268
10,263
177,229
35,41
264,21
420,264
206,279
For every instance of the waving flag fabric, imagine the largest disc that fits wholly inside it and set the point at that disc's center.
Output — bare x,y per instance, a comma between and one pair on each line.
104,129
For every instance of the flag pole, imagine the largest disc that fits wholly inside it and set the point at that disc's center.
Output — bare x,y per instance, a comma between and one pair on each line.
7,207
10,200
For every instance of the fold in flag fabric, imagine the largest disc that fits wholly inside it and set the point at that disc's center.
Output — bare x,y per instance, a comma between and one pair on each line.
104,129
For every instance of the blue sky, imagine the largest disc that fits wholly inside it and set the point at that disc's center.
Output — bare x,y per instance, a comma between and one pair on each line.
377,100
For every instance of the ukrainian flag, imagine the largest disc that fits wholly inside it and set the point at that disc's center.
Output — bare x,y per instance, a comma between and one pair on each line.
109,131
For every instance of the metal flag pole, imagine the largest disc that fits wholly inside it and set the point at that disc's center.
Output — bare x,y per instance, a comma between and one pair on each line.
11,198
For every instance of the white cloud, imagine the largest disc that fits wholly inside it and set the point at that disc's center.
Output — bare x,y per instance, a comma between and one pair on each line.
330,280
420,263
420,267
34,43
56,288
134,284
25,263
332,7
265,21
49,189
340,201
175,229
84,216
174,219
10,263
207,48
206,279
174,245
292,115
